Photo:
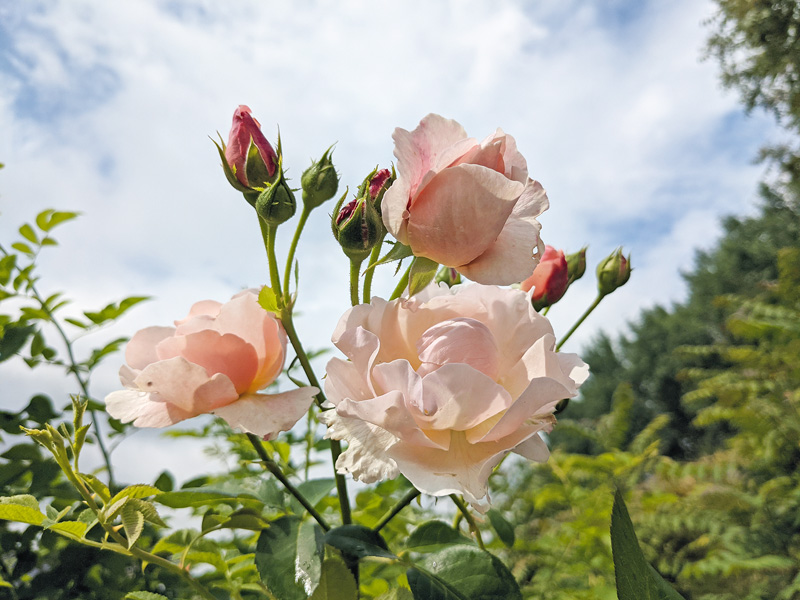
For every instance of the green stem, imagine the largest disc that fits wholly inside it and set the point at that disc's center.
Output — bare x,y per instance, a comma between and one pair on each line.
336,447
404,501
84,385
355,269
268,234
401,285
546,310
473,526
579,321
376,252
293,248
273,468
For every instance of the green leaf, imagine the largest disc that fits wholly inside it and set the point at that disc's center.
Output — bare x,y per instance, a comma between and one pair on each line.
463,572
423,270
132,522
398,252
314,491
336,582
98,487
22,247
397,594
310,552
7,264
27,232
358,541
14,338
48,219
246,490
636,579
113,311
504,529
74,530
268,300
432,536
136,491
21,509
276,556
144,596
99,353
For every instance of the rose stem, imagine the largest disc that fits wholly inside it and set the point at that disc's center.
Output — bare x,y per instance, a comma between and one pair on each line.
292,249
273,468
355,269
579,321
473,526
376,252
404,501
268,234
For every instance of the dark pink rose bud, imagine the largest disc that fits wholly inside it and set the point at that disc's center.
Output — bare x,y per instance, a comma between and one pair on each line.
378,183
549,279
249,154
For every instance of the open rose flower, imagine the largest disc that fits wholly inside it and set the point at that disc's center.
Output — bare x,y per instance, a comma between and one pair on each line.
441,386
214,361
465,204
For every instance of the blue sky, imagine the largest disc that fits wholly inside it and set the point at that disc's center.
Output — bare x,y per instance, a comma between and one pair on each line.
107,108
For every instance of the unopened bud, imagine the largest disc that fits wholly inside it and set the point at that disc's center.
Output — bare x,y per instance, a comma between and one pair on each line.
357,227
319,181
576,264
379,182
549,279
449,276
276,204
613,272
248,159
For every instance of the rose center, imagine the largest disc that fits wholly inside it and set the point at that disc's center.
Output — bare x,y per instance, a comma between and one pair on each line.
460,340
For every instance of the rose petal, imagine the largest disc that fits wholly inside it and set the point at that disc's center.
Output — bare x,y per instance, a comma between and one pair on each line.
265,415
141,349
216,353
534,448
365,457
145,410
510,258
442,224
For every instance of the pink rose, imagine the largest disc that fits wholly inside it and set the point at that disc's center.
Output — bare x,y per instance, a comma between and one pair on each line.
214,361
465,204
549,280
441,386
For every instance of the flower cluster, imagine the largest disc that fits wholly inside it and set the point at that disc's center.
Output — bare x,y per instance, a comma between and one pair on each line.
439,385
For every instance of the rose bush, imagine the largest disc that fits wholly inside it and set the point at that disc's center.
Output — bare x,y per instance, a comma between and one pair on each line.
549,280
214,361
441,386
465,204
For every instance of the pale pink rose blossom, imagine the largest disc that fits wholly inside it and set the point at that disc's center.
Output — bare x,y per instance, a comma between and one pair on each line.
466,204
441,386
215,361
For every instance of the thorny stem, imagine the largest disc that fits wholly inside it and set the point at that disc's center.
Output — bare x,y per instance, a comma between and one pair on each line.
376,252
273,468
404,501
401,285
473,526
292,249
579,321
355,269
268,234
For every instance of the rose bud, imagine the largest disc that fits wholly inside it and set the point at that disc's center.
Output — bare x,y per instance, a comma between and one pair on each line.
449,276
276,204
249,160
613,272
319,181
357,227
549,279
379,182
576,264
